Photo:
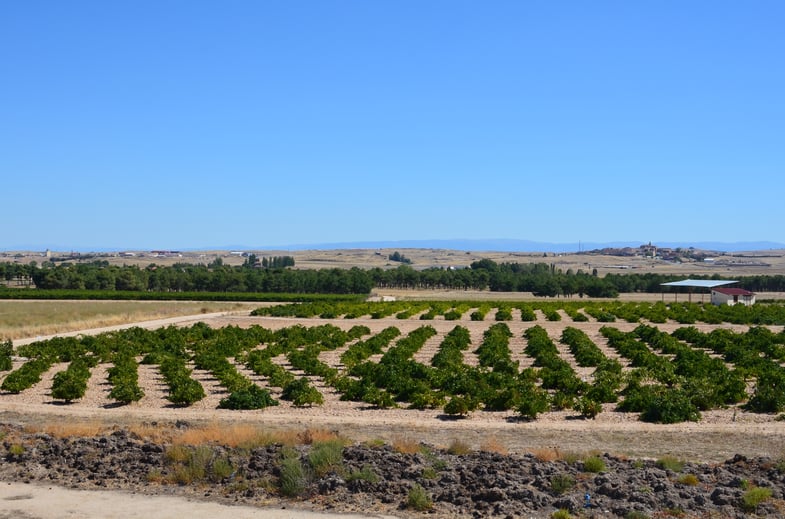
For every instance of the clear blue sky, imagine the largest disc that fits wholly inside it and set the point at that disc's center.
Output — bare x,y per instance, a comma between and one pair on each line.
184,124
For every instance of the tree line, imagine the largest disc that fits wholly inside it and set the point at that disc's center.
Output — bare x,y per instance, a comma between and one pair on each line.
215,277
277,276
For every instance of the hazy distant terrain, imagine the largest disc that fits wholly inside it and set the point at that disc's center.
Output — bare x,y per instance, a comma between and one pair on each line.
626,259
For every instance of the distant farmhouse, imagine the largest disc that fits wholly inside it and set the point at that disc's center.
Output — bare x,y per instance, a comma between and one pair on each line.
720,295
732,296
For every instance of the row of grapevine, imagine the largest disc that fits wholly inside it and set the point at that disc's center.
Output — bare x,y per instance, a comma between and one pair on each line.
673,378
605,311
757,353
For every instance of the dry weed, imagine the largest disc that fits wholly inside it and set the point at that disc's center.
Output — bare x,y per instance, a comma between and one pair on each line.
547,454
310,436
459,448
405,445
69,430
236,435
151,433
493,444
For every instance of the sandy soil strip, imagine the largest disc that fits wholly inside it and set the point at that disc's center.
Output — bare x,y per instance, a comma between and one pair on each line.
28,501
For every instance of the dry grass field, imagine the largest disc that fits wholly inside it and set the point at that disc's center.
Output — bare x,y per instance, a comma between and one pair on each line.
23,318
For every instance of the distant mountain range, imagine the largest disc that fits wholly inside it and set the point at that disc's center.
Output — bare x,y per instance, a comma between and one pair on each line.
486,245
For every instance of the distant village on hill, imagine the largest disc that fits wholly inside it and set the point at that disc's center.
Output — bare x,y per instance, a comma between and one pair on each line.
682,255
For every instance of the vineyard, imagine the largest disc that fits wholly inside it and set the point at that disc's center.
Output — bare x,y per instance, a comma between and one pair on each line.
661,363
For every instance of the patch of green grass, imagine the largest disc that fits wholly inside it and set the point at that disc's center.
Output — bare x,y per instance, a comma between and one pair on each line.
364,474
754,497
376,443
293,479
418,499
326,456
191,464
429,473
16,449
561,483
221,469
688,479
177,453
594,464
570,457
670,463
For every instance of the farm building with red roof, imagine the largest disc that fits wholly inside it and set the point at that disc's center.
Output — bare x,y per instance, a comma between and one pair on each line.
732,296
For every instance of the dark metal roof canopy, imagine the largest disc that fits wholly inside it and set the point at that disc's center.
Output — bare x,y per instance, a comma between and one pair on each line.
695,283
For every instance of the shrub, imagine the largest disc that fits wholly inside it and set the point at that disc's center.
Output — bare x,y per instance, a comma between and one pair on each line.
429,473
190,464
503,314
587,407
301,393
769,396
688,479
594,464
71,384
670,463
561,400
561,483
293,479
183,390
124,377
534,403
16,449
418,499
673,406
6,354
364,474
252,397
754,497
221,469
452,315
460,405
186,391
326,456
561,514
26,376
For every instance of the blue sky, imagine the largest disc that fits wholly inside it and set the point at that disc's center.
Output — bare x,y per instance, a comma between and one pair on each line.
186,124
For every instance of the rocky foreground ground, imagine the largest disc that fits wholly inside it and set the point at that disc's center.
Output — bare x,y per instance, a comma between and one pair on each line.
379,478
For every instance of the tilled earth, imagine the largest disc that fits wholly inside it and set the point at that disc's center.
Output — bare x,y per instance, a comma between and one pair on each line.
380,479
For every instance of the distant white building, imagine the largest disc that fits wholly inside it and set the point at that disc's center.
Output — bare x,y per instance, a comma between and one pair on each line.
732,296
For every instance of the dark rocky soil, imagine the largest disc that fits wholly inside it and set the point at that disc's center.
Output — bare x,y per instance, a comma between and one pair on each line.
378,479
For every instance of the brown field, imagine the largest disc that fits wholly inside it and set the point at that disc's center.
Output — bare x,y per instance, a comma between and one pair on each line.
718,436
749,263
31,318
